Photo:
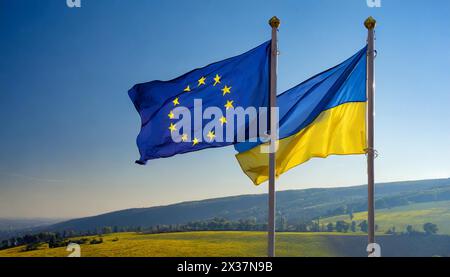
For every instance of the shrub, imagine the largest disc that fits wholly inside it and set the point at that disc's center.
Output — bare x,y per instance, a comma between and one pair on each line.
32,246
430,228
96,241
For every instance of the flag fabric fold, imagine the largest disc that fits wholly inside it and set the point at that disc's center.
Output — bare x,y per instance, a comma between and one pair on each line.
325,115
241,81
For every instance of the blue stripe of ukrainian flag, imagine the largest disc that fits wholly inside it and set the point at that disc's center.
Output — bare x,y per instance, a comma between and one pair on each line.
322,116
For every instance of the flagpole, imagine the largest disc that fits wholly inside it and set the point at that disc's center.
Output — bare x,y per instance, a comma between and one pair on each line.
370,25
274,22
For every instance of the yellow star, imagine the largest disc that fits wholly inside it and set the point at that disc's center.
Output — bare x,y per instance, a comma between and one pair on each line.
187,89
226,90
229,104
223,120
184,137
211,135
172,127
175,102
216,79
201,81
171,115
194,141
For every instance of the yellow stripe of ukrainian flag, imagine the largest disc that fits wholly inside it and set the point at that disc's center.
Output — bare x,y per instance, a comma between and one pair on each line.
338,131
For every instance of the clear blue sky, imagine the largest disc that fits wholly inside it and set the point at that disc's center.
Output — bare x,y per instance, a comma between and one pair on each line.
68,128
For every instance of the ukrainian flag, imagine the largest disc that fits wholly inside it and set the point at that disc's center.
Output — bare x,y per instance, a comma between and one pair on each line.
325,115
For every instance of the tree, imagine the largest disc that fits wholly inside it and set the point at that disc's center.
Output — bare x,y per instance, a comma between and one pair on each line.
302,227
96,241
314,227
4,244
70,233
364,226
282,224
430,228
342,226
106,230
350,214
330,227
391,231
353,226
410,230
32,246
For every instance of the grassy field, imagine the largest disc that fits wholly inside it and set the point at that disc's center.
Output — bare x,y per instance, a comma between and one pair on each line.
247,244
414,214
239,244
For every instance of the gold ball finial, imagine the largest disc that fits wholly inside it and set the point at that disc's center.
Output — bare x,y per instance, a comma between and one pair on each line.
274,22
370,23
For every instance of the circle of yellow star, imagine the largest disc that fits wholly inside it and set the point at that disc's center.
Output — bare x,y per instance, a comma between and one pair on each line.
194,141
223,120
211,135
201,81
171,115
226,90
184,137
229,104
217,80
172,127
175,102
187,89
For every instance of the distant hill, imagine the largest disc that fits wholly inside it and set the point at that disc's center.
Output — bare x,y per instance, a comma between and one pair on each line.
13,226
7,224
295,205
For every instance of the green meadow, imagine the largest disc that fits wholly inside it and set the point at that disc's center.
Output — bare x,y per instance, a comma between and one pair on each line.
414,214
244,244
292,244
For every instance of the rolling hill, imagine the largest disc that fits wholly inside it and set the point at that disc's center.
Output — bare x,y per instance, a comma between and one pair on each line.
295,205
10,227
437,212
245,244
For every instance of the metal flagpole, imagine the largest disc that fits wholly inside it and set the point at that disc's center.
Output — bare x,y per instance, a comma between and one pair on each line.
370,25
274,22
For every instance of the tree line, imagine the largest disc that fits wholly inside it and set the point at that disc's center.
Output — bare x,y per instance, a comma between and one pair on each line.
61,239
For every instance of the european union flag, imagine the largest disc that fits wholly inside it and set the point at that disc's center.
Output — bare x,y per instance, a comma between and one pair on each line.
241,81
